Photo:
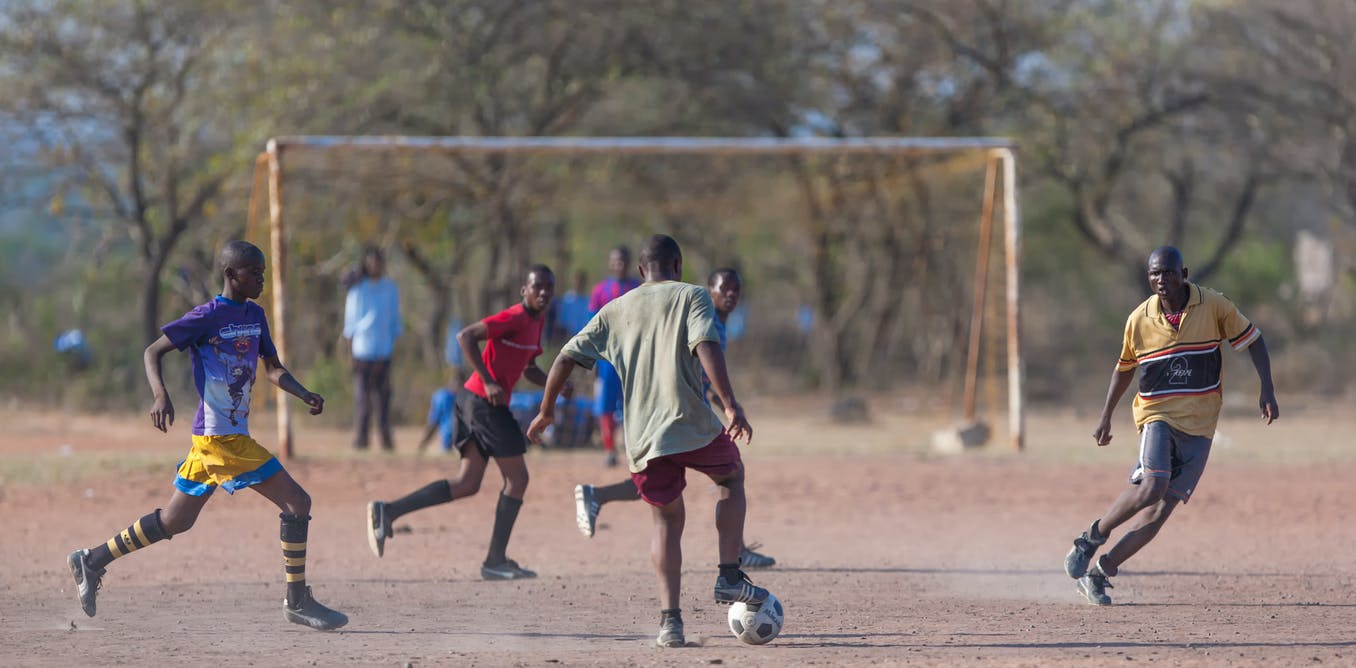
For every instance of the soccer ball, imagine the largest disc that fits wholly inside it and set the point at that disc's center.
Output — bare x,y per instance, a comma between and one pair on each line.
757,626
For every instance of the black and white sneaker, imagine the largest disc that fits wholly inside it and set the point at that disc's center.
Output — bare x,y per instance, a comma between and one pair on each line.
671,633
1093,586
741,590
312,613
586,509
87,580
750,559
378,527
1076,562
508,570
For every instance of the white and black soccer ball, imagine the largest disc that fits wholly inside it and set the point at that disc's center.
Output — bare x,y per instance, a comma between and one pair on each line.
757,626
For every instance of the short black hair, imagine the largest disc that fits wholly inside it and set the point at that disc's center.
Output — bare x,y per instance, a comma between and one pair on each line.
730,274
623,250
237,252
372,250
1169,255
539,270
660,249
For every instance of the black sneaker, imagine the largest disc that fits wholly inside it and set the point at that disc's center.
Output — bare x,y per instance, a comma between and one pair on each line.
671,633
378,527
509,570
1076,562
1093,586
87,580
750,559
310,612
585,509
741,590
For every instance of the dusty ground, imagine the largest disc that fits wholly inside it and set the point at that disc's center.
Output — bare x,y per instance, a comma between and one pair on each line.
888,554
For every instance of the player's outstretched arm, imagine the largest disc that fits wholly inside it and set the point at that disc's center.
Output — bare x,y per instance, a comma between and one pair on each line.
280,376
712,359
162,410
555,383
1261,360
1120,382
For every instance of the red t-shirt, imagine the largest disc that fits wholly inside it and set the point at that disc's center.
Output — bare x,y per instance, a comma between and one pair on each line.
514,340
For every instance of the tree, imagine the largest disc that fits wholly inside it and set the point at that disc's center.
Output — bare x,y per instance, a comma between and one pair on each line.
123,94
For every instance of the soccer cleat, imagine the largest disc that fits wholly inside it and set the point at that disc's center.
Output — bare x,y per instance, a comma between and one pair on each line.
750,559
586,509
1093,586
312,613
611,460
509,570
671,633
739,591
378,527
87,580
1076,562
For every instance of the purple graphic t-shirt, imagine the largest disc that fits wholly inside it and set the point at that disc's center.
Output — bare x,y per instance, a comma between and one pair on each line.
226,340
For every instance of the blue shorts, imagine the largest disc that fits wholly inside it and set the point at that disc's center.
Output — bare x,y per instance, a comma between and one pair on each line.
1165,452
607,390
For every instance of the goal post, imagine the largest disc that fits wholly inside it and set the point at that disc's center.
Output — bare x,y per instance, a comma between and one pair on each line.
1000,193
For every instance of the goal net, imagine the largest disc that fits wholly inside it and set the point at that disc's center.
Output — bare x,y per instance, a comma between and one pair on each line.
869,263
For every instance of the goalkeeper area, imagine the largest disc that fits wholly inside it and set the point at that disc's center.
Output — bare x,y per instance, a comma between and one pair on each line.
871,266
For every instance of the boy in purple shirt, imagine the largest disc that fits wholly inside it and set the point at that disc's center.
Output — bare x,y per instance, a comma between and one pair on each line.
225,337
607,389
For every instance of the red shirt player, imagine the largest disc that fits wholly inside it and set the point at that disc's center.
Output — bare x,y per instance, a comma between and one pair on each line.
485,427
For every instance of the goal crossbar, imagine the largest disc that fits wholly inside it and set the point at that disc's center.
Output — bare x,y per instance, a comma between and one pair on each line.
1001,169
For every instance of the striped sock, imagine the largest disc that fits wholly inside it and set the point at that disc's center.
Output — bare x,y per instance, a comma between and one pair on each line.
143,532
294,555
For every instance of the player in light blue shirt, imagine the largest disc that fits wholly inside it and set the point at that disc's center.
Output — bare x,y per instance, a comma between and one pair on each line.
372,325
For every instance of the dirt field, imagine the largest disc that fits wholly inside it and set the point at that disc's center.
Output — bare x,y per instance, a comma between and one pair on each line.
888,554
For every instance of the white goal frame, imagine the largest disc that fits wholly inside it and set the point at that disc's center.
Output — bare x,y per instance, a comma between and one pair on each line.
1001,165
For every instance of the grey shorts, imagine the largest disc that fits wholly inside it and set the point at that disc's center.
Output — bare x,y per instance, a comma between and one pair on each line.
1165,452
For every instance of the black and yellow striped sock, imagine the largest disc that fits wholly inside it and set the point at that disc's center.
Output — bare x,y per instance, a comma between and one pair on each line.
143,532
294,556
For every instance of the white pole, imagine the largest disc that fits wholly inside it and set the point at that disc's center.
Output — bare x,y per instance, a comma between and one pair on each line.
1012,228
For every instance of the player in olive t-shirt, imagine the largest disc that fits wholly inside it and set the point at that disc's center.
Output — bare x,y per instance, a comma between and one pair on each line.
660,337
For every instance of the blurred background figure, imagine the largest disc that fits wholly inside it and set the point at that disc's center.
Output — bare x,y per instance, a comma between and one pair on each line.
371,326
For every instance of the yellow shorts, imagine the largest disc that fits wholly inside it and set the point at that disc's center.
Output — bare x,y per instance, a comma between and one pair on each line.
233,461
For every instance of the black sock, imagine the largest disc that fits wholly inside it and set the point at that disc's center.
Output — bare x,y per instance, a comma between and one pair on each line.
675,614
731,572
1095,532
294,556
143,532
505,514
432,494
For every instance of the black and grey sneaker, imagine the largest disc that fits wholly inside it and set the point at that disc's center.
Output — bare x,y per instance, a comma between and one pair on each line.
378,527
1093,586
87,580
741,590
312,613
750,559
585,509
671,633
508,570
1076,562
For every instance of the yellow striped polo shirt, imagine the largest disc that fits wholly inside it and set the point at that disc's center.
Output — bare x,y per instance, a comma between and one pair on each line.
1180,369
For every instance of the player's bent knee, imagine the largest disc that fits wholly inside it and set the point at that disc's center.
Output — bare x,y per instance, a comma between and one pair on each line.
1152,491
733,481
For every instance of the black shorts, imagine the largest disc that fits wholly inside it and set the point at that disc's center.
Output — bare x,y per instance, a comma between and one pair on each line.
492,428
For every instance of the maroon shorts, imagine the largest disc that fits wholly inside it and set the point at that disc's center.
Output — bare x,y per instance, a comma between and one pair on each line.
664,478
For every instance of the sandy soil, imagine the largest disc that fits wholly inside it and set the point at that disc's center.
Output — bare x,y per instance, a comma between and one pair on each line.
888,554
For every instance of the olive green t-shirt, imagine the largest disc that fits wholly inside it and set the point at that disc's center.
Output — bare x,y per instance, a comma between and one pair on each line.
650,335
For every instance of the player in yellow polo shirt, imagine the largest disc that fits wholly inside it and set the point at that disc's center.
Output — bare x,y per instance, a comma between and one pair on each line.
1174,339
